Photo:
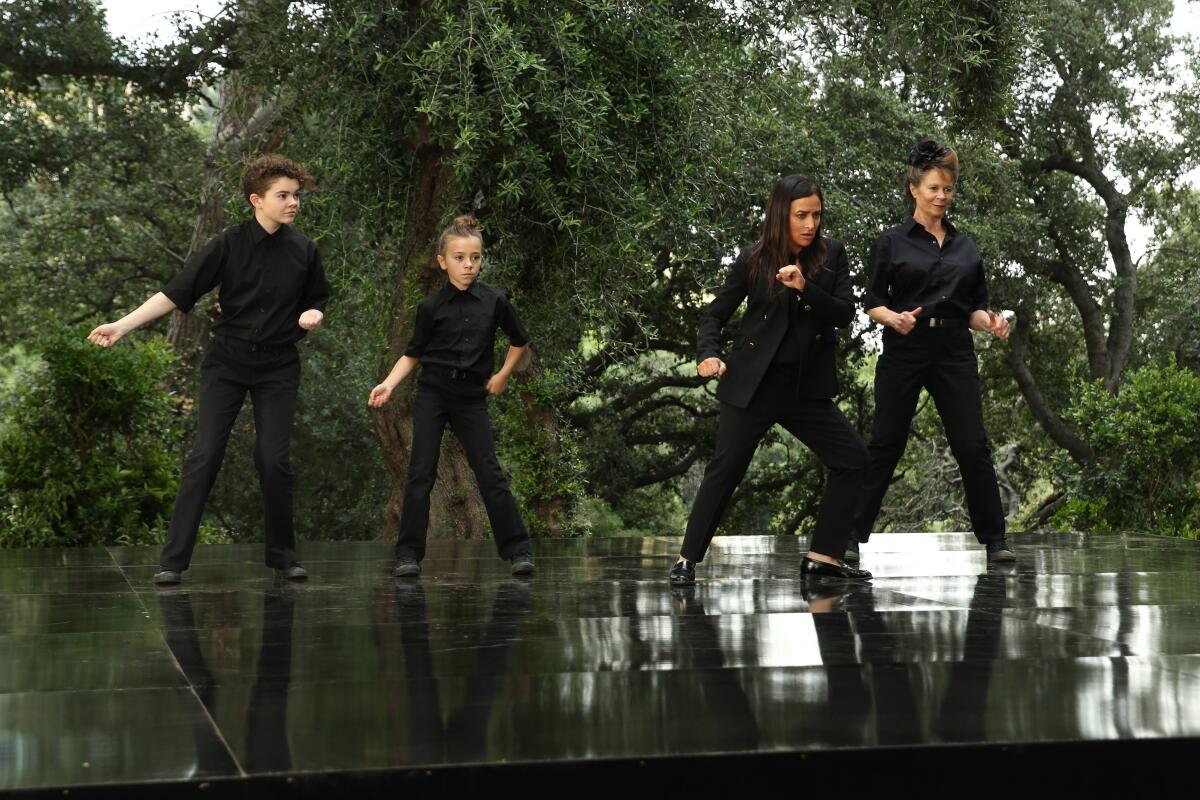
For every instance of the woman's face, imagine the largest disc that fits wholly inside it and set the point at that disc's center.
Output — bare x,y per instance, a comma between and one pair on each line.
935,194
804,218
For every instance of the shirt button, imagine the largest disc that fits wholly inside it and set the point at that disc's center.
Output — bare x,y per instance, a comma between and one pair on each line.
752,344
764,316
817,338
807,307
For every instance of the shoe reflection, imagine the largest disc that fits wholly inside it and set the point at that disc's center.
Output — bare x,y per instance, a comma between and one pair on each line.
463,738
267,748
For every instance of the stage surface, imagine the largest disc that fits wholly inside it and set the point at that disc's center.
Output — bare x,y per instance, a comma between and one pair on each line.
1085,652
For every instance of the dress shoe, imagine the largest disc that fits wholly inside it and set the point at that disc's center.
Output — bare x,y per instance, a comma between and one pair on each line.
293,573
168,577
683,573
812,569
407,567
999,552
522,564
852,554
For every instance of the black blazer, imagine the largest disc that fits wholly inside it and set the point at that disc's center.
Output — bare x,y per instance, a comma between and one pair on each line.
826,302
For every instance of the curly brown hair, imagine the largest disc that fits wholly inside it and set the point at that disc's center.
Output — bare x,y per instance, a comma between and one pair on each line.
260,172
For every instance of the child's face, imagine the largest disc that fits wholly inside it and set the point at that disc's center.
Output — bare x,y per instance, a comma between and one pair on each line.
280,202
462,260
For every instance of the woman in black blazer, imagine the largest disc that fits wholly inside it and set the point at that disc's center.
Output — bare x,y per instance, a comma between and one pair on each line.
781,370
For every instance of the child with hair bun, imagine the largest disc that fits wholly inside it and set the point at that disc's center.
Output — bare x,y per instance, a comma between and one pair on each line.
453,340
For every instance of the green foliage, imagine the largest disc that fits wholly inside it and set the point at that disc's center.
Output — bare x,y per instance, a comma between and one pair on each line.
86,445
1147,439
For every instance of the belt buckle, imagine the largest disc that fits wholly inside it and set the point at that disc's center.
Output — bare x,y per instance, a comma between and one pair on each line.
937,322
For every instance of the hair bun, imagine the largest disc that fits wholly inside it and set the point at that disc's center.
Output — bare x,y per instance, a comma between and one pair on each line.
926,152
467,221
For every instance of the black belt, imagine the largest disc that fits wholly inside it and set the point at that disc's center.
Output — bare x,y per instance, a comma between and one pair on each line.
943,322
253,347
450,373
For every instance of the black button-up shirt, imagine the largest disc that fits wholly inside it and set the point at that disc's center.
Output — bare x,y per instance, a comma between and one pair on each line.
910,271
457,328
267,281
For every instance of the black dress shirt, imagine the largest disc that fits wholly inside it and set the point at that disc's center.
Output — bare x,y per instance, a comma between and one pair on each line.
910,271
457,328
267,281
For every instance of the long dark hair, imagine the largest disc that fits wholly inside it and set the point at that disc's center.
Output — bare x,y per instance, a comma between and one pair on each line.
774,248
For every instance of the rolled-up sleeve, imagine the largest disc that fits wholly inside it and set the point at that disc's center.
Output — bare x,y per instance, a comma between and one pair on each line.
510,323
199,275
422,333
316,289
879,277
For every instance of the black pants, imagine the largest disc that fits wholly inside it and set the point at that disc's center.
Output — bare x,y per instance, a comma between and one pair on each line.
818,424
231,368
464,405
942,361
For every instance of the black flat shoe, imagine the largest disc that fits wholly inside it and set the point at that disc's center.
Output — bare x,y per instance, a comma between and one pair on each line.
999,552
852,553
168,577
683,573
522,564
407,567
811,569
293,573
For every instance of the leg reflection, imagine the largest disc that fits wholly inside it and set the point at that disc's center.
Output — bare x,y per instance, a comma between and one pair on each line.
267,747
963,716
464,736
183,640
723,698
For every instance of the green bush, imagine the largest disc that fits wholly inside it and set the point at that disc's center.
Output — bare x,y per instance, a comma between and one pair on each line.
1147,446
87,444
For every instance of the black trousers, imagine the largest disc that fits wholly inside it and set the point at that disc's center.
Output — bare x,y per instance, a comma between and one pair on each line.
942,361
231,368
463,405
818,424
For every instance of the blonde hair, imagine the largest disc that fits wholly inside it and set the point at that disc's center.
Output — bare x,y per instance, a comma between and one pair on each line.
465,225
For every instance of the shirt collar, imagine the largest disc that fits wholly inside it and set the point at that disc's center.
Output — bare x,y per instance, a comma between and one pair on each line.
258,233
913,225
450,291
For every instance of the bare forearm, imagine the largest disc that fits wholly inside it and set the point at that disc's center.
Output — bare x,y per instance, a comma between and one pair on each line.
510,360
402,370
152,309
981,320
881,314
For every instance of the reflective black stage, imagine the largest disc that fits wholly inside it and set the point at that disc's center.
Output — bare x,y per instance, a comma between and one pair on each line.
235,686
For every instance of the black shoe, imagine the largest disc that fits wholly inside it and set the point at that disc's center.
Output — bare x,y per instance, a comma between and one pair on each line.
522,564
852,554
293,573
407,567
999,552
683,573
812,569
168,577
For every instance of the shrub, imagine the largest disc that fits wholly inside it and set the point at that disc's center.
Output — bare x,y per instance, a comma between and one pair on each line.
1147,446
87,444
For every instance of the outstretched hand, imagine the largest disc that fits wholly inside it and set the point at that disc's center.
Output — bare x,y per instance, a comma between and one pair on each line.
106,335
379,396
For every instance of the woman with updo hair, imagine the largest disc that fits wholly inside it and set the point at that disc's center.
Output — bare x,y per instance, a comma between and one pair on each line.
927,288
782,369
